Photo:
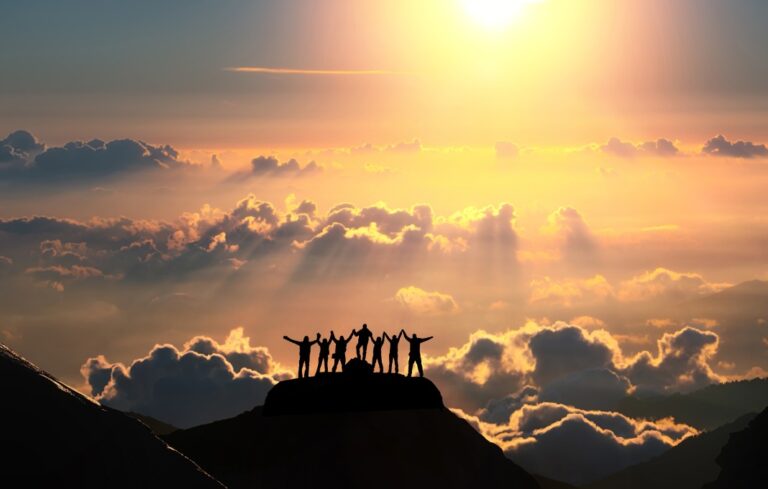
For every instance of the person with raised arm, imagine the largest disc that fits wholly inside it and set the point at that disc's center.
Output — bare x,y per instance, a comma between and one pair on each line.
322,357
362,341
394,342
340,353
414,355
304,348
376,358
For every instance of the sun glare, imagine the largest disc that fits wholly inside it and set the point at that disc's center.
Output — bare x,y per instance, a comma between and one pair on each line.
495,14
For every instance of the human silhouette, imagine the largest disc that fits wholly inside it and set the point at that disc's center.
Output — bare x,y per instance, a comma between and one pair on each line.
340,354
362,341
377,344
414,355
304,348
394,342
322,357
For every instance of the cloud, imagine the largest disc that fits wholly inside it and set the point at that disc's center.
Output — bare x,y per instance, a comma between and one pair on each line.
568,292
720,146
594,388
586,444
506,150
666,283
566,349
202,382
660,148
80,161
578,243
680,364
269,166
567,363
424,303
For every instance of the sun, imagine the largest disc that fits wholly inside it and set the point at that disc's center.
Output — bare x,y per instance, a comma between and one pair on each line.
495,14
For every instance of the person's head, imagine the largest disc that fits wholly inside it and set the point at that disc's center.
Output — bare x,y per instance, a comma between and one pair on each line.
306,338
413,336
394,335
365,326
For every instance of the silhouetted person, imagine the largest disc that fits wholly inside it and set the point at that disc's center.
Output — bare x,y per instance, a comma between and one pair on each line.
362,341
414,356
322,357
394,342
340,354
377,344
304,348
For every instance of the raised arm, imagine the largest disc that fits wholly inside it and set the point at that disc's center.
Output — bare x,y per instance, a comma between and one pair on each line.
317,340
386,336
291,340
333,337
422,340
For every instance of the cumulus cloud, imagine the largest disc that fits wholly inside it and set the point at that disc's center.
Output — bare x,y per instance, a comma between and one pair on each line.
491,374
720,146
681,362
622,149
579,244
666,283
81,161
199,383
425,303
269,166
586,444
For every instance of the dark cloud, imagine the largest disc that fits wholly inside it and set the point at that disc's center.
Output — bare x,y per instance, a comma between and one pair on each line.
562,351
681,363
595,388
200,383
79,161
269,166
622,149
720,146
579,244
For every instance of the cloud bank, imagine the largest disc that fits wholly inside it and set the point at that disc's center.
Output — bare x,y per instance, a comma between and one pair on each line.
201,382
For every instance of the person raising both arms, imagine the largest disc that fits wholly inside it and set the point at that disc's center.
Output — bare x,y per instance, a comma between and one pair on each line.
322,357
340,354
377,344
414,355
362,341
394,342
304,348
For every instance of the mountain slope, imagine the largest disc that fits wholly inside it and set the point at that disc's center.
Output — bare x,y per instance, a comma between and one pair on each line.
743,458
706,408
349,449
56,437
686,466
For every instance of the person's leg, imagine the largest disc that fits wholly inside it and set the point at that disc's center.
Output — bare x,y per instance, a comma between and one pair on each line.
389,368
343,361
301,367
357,350
319,363
365,350
397,367
335,363
421,370
410,366
381,365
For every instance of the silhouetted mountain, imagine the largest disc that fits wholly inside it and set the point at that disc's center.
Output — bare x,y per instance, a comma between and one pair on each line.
158,427
349,447
686,466
547,483
53,436
743,459
706,408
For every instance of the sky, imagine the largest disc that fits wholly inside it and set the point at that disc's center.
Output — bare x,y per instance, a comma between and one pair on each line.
562,193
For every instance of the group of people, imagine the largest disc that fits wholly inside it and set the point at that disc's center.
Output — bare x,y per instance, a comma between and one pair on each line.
364,336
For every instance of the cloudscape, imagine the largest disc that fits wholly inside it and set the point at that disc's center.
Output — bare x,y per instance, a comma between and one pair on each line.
569,197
